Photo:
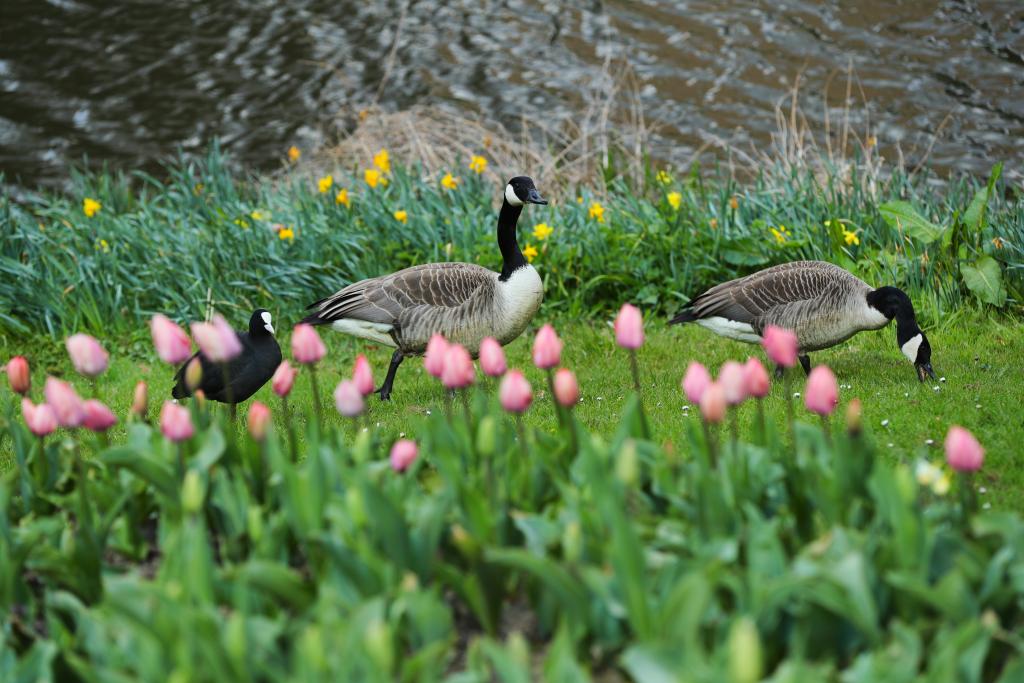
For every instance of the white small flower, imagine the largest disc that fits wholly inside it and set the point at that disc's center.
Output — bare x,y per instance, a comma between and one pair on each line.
942,379
929,442
987,506
796,394
890,445
936,387
982,489
978,406
885,422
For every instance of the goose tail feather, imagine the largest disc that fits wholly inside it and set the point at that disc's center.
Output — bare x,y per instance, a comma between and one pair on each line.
684,316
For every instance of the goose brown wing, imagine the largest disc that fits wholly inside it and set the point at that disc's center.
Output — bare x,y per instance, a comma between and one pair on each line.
384,299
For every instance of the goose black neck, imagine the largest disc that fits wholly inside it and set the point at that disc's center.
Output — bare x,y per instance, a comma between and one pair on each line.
896,305
511,257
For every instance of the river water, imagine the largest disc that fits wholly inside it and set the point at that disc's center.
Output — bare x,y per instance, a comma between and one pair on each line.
128,83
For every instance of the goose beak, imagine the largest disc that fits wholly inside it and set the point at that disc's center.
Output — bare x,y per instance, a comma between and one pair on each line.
534,197
924,371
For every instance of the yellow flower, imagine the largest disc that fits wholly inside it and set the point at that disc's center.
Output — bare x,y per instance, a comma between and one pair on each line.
872,141
401,216
198,188
781,234
941,485
597,212
286,234
294,154
674,200
713,224
325,183
103,246
477,163
342,198
542,230
530,253
382,161
371,176
258,215
663,177
850,237
448,182
734,202
242,223
90,207
997,242
926,473
579,200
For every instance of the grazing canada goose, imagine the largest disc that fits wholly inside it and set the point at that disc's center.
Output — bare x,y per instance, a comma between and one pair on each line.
246,372
822,303
462,301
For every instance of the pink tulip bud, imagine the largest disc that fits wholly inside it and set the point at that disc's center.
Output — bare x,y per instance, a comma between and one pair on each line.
171,342
232,345
567,390
40,419
217,341
733,381
363,376
713,403
695,381
176,422
283,379
66,404
629,327
18,375
458,371
140,399
258,420
492,358
515,393
306,345
821,393
87,355
433,359
403,454
963,452
348,399
193,374
780,345
547,348
755,378
98,417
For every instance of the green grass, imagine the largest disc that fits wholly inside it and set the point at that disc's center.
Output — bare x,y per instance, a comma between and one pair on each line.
981,358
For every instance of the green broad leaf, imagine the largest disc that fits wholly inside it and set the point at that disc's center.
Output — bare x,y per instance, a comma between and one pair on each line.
974,217
904,217
985,280
144,465
283,583
211,450
651,664
564,587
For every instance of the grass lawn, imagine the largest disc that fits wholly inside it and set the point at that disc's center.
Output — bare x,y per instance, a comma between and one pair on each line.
981,359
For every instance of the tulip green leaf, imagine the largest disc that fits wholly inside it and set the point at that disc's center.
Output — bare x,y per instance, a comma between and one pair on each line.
985,280
902,216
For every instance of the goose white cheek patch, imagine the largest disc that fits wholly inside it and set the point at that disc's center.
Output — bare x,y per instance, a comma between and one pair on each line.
911,347
511,198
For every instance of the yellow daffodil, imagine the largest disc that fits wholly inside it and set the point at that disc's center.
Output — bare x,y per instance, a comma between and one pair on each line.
675,199
579,200
242,223
477,164
449,182
401,216
872,141
542,230
713,224
342,198
91,207
850,237
941,485
325,183
198,188
258,215
103,246
781,234
382,161
997,242
286,234
663,177
530,252
734,202
371,176
294,154
596,212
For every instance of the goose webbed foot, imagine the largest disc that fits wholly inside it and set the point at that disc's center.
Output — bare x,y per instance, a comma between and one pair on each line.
385,389
805,363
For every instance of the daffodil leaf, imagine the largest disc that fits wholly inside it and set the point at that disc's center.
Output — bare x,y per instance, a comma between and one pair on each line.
904,217
974,217
985,280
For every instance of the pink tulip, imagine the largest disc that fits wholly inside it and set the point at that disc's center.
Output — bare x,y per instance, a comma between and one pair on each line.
18,375
713,403
348,399
433,359
176,422
306,345
492,358
629,327
780,345
695,381
458,372
733,381
567,390
40,419
821,393
171,342
258,420
963,452
755,378
218,342
140,398
66,404
403,454
363,376
547,348
87,355
98,417
283,379
515,393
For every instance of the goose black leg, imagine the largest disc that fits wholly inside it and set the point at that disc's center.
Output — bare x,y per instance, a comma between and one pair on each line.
779,371
385,389
805,363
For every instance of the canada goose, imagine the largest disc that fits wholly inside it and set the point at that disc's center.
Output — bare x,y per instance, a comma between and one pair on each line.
822,303
246,372
462,301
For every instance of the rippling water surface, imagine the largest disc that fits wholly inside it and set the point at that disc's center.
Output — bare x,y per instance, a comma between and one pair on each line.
129,83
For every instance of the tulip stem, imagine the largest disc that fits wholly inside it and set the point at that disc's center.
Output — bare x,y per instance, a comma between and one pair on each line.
827,428
554,401
181,459
710,440
787,386
288,425
526,455
316,395
635,366
734,425
760,419
227,388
